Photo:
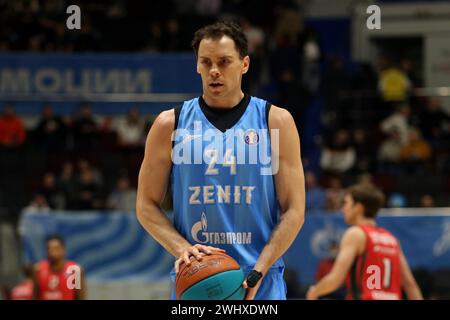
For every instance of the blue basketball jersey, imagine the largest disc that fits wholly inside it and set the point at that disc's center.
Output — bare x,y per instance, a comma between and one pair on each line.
223,184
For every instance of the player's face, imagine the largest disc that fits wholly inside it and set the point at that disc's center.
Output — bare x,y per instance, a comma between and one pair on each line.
221,67
348,208
55,251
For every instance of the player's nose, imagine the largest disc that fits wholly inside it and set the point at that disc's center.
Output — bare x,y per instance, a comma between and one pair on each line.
214,72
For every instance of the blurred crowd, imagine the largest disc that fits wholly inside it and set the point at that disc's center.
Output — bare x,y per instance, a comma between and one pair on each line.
374,126
378,129
73,175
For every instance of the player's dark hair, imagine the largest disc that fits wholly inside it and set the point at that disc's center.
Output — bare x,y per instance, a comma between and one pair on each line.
219,29
56,237
369,196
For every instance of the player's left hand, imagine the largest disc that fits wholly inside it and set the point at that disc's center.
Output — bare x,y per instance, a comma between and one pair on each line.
251,292
311,294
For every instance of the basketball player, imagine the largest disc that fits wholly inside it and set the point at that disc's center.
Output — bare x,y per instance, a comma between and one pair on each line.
223,204
51,276
369,255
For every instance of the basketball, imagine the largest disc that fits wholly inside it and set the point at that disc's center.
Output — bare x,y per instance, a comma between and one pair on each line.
216,277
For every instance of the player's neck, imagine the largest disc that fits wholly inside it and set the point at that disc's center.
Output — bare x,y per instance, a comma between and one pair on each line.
57,266
366,221
221,102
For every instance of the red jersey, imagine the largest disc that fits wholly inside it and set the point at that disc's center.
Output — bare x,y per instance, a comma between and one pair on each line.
23,291
375,275
53,285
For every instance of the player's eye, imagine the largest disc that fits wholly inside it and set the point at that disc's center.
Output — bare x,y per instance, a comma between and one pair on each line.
206,62
224,62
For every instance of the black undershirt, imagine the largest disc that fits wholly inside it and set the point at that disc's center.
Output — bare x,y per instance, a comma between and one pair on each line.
224,118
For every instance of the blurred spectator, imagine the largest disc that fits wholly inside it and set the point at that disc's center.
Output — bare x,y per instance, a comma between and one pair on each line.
171,40
394,84
427,201
108,134
123,198
335,85
85,129
130,130
398,121
338,156
389,150
87,194
208,8
84,165
25,289
155,38
408,68
310,64
12,131
38,204
67,183
397,200
364,151
417,150
315,194
434,122
335,194
51,192
256,44
365,179
51,131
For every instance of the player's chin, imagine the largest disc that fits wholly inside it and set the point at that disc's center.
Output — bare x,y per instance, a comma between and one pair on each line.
216,90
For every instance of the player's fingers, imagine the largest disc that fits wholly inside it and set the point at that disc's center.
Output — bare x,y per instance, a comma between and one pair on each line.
177,265
186,259
202,248
196,253
244,284
210,249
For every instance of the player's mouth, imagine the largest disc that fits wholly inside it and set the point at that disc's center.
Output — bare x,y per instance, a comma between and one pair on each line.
216,85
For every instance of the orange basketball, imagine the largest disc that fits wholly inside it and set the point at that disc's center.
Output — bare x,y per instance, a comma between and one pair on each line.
216,277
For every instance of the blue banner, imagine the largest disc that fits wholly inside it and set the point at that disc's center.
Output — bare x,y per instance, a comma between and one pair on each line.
28,80
109,246
112,246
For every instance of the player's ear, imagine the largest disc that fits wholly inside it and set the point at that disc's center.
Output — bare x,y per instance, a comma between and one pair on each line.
246,65
198,67
359,207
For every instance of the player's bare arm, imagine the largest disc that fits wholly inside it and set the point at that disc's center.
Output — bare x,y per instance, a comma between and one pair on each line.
153,181
352,244
290,187
409,284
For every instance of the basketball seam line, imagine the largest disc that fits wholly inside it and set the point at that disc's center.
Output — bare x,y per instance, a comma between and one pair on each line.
226,298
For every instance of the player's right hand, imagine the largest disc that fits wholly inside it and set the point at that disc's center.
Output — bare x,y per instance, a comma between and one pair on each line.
196,251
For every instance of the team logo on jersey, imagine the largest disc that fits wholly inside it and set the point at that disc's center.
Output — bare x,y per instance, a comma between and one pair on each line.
251,137
200,234
53,282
